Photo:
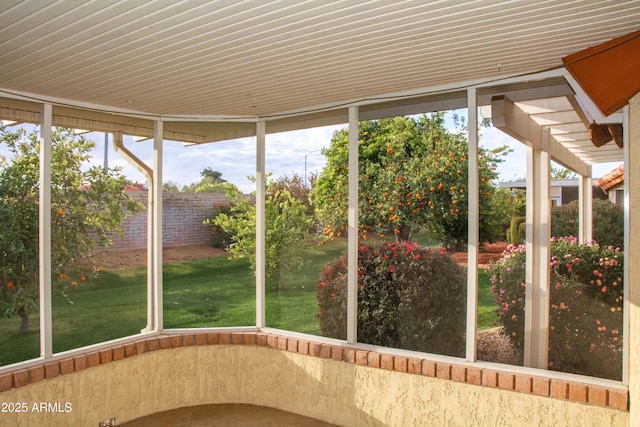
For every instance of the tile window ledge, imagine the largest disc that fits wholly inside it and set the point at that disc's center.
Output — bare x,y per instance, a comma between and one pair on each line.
573,391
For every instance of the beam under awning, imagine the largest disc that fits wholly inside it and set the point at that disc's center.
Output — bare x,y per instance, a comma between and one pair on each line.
512,120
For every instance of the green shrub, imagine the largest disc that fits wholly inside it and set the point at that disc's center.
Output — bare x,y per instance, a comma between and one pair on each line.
517,230
586,292
608,222
219,237
287,230
409,297
504,205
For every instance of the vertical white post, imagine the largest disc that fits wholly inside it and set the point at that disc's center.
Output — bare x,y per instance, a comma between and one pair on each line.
473,221
157,223
582,209
585,208
151,300
537,266
46,121
588,200
528,298
352,249
626,333
260,224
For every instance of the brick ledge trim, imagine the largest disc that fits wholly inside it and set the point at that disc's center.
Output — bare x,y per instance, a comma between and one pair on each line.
573,391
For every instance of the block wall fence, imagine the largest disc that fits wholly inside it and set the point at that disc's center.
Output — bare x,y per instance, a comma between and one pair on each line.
182,217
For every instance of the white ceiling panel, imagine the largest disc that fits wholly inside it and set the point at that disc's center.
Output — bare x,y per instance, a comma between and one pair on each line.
262,58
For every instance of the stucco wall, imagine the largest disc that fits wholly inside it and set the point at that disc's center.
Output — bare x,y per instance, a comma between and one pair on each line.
335,391
632,171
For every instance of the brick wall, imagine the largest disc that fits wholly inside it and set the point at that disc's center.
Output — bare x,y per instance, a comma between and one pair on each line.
182,216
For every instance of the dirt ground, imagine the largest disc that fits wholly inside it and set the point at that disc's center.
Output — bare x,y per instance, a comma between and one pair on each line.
488,252
138,257
492,345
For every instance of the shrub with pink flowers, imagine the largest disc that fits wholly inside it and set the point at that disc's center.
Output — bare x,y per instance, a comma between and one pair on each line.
409,297
585,314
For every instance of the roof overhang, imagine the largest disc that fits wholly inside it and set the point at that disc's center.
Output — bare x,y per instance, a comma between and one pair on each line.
556,125
25,108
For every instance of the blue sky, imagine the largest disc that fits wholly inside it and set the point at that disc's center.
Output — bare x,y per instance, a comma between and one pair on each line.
285,155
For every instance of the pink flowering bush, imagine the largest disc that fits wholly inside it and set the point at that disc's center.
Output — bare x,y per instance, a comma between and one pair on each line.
586,293
409,297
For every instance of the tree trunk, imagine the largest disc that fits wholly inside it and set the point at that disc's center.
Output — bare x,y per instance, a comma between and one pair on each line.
24,323
406,233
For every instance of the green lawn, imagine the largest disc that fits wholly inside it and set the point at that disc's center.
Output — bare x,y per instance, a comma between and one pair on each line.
209,292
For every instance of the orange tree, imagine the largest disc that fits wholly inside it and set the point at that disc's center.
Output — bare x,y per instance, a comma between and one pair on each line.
412,175
87,205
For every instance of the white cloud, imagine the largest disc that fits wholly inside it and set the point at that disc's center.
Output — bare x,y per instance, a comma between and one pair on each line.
515,163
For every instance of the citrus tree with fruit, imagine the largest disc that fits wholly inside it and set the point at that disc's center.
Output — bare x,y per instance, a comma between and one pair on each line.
88,204
413,175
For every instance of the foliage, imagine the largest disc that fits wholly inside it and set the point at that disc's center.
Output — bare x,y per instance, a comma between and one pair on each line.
562,173
409,297
504,204
586,295
296,186
215,176
197,293
219,237
171,186
287,230
608,222
211,182
517,230
87,205
412,175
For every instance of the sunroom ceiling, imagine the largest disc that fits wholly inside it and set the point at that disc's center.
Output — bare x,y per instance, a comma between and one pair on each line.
259,58
210,69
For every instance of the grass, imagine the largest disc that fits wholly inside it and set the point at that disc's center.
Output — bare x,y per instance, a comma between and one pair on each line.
486,307
209,292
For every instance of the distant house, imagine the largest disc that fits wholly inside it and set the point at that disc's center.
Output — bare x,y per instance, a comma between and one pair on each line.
563,191
612,184
136,187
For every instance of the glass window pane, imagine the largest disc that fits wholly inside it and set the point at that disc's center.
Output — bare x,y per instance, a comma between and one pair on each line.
208,230
98,277
413,198
501,293
19,255
302,264
586,300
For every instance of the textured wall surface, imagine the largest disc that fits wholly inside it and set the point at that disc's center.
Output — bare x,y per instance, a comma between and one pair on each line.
334,391
182,216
